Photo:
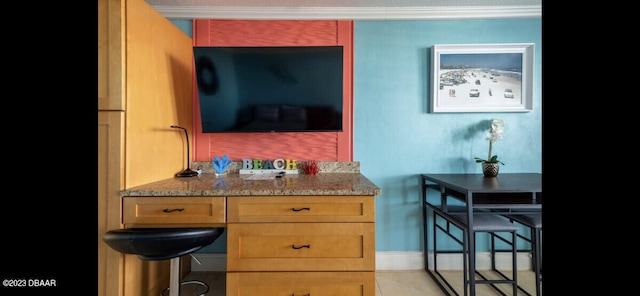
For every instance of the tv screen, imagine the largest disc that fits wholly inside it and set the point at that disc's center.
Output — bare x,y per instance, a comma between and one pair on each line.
269,89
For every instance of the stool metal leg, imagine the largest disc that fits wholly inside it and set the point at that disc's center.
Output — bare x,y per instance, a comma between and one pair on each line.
535,226
174,281
514,262
465,264
535,233
174,278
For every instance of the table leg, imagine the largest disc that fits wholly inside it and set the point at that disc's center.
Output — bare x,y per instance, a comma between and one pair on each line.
424,224
472,245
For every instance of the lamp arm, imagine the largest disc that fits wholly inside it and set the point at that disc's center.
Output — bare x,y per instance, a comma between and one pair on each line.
187,172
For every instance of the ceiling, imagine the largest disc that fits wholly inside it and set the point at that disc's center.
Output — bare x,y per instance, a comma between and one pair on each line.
347,9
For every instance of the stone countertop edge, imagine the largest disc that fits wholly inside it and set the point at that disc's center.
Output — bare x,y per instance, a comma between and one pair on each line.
334,178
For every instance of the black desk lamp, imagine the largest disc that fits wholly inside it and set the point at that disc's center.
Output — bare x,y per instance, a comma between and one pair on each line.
188,172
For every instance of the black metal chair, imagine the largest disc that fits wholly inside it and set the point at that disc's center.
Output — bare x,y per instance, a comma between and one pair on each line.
533,222
163,244
482,222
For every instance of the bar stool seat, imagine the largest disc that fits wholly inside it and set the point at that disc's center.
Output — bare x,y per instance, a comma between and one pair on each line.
482,222
163,244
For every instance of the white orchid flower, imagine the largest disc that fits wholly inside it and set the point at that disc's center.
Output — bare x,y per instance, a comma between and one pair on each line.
494,134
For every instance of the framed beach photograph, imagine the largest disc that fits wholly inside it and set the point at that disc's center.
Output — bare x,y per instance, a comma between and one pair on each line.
482,77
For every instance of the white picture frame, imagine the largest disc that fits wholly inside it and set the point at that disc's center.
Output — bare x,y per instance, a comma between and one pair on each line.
482,77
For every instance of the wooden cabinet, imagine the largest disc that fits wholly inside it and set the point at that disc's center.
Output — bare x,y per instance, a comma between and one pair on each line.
111,28
301,283
109,182
300,245
144,62
318,208
162,212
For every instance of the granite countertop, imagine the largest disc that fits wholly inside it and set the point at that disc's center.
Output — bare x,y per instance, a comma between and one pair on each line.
331,180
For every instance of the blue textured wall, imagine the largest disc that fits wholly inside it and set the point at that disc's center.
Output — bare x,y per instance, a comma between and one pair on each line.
396,139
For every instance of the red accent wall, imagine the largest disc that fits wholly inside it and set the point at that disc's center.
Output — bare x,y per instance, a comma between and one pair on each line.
322,146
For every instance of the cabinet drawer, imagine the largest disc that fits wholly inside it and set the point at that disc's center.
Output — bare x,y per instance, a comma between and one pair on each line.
173,211
301,247
301,209
301,283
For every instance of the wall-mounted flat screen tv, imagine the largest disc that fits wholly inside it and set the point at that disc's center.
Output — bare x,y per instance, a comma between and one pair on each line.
270,89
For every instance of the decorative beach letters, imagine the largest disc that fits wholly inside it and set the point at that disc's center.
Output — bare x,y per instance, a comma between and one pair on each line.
258,166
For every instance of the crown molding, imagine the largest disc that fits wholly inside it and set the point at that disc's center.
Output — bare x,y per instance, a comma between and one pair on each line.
351,13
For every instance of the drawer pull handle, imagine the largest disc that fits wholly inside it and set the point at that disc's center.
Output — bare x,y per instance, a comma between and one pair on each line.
302,295
300,209
300,247
169,211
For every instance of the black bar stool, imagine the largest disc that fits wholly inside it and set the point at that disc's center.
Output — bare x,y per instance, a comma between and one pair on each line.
163,244
482,222
533,222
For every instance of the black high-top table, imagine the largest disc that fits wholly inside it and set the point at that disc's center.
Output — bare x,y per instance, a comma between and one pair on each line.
505,193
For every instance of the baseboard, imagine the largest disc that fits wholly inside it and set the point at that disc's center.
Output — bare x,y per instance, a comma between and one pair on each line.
399,261
392,261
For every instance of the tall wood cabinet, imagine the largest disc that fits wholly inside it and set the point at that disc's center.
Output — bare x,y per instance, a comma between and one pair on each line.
145,83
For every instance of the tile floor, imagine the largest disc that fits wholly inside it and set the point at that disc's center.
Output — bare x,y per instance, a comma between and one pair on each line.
388,283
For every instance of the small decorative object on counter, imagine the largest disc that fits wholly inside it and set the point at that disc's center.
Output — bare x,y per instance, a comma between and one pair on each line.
258,166
311,167
490,169
221,184
221,164
491,165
